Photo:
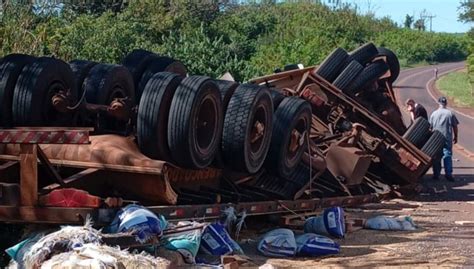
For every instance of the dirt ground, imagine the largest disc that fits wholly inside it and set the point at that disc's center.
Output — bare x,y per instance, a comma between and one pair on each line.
444,212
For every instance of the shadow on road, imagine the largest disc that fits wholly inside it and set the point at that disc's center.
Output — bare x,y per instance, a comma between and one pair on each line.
443,190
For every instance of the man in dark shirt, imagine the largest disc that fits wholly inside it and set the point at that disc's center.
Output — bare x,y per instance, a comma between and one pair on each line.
416,110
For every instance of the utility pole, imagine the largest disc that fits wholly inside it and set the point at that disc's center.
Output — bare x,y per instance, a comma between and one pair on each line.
430,17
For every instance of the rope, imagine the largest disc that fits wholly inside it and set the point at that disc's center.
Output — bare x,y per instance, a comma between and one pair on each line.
79,102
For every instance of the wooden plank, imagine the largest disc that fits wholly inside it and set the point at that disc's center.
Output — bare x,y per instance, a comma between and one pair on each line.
28,175
100,166
68,181
49,168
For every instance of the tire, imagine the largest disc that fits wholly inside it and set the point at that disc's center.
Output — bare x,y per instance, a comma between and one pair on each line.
277,97
103,84
36,84
196,101
369,75
331,66
107,81
136,62
347,75
249,104
434,146
153,113
293,114
392,61
10,69
418,132
364,54
81,69
155,64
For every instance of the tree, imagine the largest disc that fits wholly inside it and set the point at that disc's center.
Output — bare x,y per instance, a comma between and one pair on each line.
466,11
408,21
420,25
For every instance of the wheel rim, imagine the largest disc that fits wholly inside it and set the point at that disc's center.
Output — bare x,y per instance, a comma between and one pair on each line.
206,125
51,114
258,131
295,145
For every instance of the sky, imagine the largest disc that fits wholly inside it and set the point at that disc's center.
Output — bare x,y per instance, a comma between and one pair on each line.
446,12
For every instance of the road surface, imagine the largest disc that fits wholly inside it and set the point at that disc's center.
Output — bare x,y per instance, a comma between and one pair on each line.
413,83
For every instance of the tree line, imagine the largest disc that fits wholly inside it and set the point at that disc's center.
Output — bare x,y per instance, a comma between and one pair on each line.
248,39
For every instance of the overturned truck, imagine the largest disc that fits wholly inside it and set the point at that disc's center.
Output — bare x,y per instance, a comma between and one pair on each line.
191,146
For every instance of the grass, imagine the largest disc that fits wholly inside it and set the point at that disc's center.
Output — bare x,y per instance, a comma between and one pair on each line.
404,64
456,86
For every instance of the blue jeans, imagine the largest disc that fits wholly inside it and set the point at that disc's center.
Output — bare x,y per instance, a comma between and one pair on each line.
447,161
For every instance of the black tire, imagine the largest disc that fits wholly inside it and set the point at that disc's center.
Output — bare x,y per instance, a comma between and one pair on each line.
10,69
153,113
347,75
136,62
364,54
249,104
103,84
392,61
293,114
331,66
226,89
434,146
277,97
195,122
37,83
418,132
370,74
155,64
81,69
108,81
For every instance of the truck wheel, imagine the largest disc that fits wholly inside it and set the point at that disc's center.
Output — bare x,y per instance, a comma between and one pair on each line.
247,128
332,65
291,123
10,69
155,64
81,69
392,61
364,54
277,97
348,75
227,89
418,132
38,82
104,84
369,75
153,113
136,62
195,122
434,146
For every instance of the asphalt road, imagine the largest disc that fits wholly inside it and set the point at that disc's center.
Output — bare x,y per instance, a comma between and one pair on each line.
413,83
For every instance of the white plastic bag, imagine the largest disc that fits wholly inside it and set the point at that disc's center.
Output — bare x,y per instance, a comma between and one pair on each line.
392,224
278,243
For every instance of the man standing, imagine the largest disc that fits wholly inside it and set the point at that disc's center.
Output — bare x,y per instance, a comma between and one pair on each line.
416,110
446,122
436,73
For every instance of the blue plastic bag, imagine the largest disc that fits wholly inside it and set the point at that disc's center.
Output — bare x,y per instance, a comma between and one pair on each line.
278,243
139,220
310,244
216,241
330,223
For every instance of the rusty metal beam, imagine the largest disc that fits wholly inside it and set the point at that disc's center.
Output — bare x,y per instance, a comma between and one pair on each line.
48,167
181,212
70,180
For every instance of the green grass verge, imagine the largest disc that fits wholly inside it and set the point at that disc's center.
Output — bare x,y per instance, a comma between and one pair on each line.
404,64
456,85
